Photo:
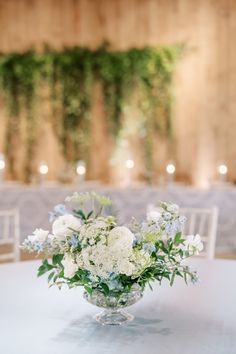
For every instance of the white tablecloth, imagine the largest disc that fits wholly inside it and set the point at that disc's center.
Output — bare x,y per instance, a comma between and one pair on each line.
198,319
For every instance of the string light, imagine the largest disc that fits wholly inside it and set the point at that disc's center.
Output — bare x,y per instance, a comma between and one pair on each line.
43,168
129,164
2,167
81,168
2,162
223,169
170,168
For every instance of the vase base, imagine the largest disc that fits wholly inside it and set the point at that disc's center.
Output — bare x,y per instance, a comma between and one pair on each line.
113,318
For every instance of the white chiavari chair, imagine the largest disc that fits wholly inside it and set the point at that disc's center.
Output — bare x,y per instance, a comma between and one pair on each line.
202,221
10,234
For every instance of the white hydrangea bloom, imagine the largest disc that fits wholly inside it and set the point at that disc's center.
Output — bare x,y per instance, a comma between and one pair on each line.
142,260
91,233
125,266
63,224
39,235
70,267
102,259
193,244
96,260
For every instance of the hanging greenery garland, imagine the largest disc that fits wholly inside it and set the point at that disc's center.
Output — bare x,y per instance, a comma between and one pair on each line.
19,74
70,75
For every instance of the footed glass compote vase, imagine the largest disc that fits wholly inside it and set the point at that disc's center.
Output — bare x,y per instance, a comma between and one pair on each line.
113,305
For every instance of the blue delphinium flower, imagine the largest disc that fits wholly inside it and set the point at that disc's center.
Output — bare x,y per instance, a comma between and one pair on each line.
182,219
138,238
38,247
58,210
149,247
74,241
173,227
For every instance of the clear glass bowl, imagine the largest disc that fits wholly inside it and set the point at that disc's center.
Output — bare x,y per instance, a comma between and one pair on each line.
113,313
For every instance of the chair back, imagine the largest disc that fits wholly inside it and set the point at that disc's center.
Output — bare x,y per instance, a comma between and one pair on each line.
10,235
202,221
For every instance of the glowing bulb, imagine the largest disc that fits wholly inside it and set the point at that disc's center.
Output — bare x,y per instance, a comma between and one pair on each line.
43,169
129,164
81,170
222,169
2,164
170,169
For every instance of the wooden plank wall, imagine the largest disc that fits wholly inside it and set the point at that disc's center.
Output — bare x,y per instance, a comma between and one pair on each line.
205,83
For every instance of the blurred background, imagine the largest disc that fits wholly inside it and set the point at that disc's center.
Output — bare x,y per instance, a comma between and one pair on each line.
133,98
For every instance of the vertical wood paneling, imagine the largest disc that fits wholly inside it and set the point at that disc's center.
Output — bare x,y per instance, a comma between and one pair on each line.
205,83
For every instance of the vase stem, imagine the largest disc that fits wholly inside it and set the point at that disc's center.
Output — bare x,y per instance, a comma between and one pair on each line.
113,317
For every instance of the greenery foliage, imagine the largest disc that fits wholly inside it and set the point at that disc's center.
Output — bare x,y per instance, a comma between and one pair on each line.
70,75
88,248
19,79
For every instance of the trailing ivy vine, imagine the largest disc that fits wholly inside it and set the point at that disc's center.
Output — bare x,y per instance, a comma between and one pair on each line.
19,74
70,75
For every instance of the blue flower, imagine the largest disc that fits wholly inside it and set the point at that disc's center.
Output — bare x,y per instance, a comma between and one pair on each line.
38,247
149,247
52,216
172,227
112,275
74,241
182,219
58,210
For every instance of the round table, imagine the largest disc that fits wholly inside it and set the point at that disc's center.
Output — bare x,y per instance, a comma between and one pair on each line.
183,319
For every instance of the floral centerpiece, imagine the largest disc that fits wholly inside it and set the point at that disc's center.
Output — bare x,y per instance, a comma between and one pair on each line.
112,263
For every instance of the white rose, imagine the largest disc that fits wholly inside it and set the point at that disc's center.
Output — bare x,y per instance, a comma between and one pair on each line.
70,267
120,237
39,235
153,216
193,244
63,224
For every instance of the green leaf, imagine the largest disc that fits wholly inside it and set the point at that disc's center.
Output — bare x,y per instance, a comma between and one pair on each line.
56,259
45,262
79,213
185,278
88,289
50,276
172,278
105,288
178,238
89,214
42,270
